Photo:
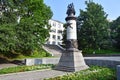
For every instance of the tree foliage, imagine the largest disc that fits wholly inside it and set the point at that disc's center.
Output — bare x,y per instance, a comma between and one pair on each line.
8,19
35,17
93,30
64,36
24,26
115,32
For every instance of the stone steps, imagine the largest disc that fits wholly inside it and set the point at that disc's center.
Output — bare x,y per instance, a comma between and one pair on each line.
53,49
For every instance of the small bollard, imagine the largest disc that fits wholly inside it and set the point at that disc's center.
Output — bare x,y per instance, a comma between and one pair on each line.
118,72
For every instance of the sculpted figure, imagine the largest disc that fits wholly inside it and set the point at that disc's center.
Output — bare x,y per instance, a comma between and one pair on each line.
70,9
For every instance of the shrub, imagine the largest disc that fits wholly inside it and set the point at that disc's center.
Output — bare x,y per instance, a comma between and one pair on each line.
94,73
40,53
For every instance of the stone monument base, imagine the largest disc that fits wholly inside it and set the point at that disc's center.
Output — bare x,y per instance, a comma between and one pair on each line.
71,61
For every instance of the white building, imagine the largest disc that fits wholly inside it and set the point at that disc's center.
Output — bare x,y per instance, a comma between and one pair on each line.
56,32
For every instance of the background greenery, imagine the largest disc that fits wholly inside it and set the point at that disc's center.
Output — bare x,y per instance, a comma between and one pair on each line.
22,27
95,33
93,29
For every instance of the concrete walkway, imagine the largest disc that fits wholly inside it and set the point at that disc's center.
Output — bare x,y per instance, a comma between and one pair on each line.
32,75
6,65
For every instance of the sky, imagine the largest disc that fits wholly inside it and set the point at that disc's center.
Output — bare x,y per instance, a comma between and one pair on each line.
59,7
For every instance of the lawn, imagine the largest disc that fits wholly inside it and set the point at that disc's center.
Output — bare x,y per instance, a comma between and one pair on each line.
93,73
25,68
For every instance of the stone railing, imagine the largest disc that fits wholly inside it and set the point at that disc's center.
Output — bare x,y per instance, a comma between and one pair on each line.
99,61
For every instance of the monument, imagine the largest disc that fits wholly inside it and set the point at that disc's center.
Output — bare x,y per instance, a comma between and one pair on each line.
71,59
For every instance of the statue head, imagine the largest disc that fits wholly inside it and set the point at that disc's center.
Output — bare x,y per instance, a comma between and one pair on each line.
70,9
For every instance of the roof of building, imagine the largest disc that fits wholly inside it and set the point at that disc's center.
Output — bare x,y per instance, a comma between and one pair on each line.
57,21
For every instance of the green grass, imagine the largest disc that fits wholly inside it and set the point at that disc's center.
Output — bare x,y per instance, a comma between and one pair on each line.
93,73
25,68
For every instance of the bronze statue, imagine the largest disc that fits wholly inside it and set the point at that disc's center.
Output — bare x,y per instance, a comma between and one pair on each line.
70,9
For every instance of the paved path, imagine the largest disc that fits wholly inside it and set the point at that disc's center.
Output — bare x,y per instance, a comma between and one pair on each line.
6,65
32,75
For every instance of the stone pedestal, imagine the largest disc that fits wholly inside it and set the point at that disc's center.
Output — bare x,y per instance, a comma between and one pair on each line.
71,61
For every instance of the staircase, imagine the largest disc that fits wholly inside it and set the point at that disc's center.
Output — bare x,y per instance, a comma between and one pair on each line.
55,50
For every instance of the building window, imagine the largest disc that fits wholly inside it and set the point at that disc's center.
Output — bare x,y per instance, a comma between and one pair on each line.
54,24
54,36
60,31
58,37
53,30
59,25
53,42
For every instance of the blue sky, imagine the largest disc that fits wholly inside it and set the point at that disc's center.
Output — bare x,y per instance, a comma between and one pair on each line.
59,7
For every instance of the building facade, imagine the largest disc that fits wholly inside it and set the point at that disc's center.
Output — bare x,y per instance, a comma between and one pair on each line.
56,32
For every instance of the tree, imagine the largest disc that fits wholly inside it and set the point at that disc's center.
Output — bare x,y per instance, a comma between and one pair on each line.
7,13
8,19
115,32
35,17
64,36
29,31
93,29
